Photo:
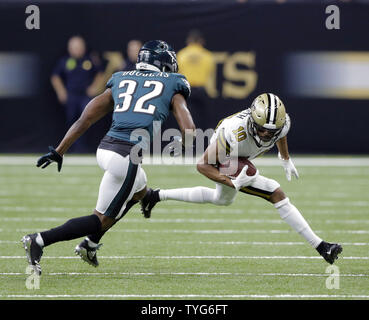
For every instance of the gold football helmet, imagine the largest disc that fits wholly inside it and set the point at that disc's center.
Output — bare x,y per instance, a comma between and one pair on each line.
268,117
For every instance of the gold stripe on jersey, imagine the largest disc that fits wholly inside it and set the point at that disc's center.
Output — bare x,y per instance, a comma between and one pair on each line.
223,143
257,192
220,144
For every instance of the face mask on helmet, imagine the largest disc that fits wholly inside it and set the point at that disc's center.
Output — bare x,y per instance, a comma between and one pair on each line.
268,117
263,133
157,55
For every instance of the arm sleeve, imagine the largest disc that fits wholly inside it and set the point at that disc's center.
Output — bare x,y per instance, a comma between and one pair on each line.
182,86
110,82
286,127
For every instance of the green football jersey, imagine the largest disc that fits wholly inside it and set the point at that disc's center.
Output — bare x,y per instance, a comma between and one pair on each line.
142,98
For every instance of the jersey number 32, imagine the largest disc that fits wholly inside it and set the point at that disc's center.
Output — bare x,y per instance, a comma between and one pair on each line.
127,96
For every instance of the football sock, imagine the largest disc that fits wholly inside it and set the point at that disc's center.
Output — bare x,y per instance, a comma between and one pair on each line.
72,229
196,194
90,243
293,217
154,196
322,247
96,237
39,240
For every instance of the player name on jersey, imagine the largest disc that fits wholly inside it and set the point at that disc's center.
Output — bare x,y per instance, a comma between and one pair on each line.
145,74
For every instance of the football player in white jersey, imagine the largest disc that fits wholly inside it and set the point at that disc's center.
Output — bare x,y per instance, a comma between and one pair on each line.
248,133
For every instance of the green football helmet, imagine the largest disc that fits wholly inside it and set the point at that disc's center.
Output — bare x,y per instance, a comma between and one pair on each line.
157,55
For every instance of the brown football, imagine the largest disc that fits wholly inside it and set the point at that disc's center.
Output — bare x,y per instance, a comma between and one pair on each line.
233,167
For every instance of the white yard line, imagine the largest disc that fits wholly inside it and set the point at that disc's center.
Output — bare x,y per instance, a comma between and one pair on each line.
263,243
235,231
205,231
189,220
247,274
217,243
213,296
157,160
175,231
348,208
355,208
191,257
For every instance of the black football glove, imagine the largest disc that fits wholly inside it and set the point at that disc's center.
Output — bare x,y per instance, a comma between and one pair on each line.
47,158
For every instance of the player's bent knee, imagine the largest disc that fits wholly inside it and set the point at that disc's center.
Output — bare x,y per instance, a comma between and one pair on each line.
106,222
277,195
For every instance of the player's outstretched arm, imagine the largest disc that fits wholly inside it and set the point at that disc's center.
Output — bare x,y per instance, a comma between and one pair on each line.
184,119
94,111
97,108
283,148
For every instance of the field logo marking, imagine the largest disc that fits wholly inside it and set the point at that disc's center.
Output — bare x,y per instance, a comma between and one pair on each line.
333,280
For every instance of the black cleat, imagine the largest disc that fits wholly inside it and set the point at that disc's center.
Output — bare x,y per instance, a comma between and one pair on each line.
87,253
329,251
149,201
33,252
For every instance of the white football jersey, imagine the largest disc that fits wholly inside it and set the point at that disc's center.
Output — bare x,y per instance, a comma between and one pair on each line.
235,135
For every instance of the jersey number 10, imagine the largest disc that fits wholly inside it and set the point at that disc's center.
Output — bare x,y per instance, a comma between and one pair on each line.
127,96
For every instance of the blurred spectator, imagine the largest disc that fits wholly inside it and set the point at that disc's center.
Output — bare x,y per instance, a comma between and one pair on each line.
75,79
197,64
116,62
133,47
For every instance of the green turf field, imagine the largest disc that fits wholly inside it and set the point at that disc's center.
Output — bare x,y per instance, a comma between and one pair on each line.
188,251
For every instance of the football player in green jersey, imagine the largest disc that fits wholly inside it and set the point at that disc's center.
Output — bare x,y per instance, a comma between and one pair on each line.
137,98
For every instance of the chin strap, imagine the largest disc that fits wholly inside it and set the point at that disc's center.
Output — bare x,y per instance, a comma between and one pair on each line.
146,66
257,139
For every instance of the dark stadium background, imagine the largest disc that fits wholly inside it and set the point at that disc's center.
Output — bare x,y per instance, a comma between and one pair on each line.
270,31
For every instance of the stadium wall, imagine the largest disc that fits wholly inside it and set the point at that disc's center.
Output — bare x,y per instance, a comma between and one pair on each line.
320,74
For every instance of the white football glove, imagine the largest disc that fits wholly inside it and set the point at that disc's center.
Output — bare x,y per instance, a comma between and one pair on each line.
243,180
289,167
